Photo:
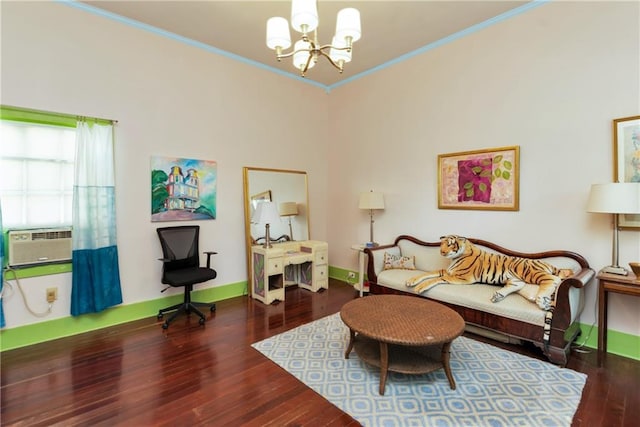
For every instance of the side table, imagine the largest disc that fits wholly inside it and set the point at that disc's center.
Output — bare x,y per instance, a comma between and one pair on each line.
628,285
361,262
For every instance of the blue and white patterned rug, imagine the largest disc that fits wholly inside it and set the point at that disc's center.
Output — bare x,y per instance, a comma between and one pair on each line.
495,387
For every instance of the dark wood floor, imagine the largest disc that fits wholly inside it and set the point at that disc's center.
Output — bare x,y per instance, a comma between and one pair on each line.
139,375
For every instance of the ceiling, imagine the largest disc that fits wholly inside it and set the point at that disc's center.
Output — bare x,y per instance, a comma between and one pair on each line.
390,29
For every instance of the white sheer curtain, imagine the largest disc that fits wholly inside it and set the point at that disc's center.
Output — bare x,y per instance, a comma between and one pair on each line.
96,276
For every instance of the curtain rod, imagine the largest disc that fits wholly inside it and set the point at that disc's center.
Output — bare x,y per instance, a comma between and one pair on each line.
55,114
95,119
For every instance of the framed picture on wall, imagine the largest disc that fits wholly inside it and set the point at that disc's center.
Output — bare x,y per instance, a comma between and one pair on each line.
484,179
626,160
183,189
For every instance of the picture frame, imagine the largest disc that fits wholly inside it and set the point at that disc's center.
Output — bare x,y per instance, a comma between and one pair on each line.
183,189
263,196
487,179
626,161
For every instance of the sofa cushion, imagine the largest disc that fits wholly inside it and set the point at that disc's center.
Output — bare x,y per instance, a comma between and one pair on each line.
426,257
476,296
392,261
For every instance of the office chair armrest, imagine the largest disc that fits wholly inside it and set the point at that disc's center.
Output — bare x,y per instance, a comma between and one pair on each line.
209,253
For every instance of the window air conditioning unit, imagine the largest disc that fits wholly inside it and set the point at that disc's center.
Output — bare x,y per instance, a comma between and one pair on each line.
39,246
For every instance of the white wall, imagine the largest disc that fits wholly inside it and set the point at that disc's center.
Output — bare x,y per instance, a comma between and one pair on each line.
550,80
169,99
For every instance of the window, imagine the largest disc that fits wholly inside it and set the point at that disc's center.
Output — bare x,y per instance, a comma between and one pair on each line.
36,167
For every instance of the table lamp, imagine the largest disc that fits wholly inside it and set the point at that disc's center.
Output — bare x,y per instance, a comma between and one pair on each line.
289,209
266,213
371,200
615,198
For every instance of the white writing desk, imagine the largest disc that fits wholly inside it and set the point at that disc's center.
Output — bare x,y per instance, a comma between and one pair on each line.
269,275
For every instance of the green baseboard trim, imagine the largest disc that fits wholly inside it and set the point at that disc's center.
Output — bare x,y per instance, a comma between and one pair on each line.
618,343
22,336
343,275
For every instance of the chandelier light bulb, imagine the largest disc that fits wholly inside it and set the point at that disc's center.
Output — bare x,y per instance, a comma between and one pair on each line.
304,15
278,33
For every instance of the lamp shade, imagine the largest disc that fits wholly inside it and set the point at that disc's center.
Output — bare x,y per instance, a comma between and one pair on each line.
348,24
304,12
266,213
302,55
615,198
288,209
371,200
278,33
339,54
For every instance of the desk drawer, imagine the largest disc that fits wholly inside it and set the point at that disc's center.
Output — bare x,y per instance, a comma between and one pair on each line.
320,272
274,266
322,257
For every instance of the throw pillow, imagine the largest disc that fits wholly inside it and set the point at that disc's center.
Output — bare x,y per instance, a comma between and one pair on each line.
400,262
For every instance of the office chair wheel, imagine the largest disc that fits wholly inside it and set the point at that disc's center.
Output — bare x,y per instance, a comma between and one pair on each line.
165,325
201,321
212,308
160,316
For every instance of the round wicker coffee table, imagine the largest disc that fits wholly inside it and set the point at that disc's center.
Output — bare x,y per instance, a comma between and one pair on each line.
403,334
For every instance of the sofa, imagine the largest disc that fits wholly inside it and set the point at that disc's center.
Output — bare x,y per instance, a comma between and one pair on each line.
514,319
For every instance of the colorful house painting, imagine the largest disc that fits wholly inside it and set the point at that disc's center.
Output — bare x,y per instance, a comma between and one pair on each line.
182,189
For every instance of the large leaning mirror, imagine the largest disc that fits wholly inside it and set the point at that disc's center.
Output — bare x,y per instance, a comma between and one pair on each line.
287,189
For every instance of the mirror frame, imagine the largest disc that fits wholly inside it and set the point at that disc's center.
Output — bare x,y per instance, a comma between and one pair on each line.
247,211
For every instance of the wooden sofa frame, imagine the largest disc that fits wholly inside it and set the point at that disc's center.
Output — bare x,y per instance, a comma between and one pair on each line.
563,331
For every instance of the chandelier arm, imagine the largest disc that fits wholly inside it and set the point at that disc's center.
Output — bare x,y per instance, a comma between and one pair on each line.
328,46
306,66
319,50
290,54
323,53
305,38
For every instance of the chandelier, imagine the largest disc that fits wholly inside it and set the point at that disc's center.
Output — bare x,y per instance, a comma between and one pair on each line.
307,50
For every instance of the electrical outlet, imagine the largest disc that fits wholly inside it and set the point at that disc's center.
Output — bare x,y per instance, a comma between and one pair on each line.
351,275
52,294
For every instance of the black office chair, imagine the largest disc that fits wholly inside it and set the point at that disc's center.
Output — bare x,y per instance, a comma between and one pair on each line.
181,267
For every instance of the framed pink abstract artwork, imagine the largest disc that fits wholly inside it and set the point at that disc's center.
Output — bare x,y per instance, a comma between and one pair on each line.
483,179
